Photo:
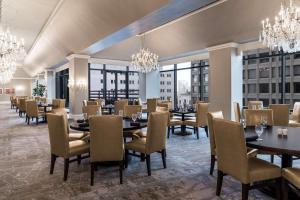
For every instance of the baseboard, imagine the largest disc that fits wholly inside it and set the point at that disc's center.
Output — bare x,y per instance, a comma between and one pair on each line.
4,102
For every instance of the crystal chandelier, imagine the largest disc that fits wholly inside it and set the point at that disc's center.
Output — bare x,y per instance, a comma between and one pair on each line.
285,33
11,50
144,61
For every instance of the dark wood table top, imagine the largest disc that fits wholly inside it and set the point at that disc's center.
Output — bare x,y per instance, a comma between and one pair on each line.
127,126
288,145
109,106
44,105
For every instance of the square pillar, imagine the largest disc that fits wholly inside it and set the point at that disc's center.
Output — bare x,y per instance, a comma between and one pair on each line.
78,82
50,81
225,78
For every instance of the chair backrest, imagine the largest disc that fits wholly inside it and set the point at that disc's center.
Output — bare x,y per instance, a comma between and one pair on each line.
162,109
37,98
237,111
151,105
131,109
201,114
231,149
31,109
84,103
58,134
91,103
100,101
254,117
22,106
59,111
106,142
43,99
156,131
253,105
120,105
91,110
58,103
210,117
167,104
280,114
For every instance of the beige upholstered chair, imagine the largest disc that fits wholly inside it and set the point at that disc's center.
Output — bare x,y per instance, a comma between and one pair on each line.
233,159
151,105
88,103
167,104
106,141
131,109
295,116
91,110
43,99
120,105
254,117
84,103
237,112
100,101
154,142
60,145
201,119
280,114
255,105
58,103
210,117
22,107
291,176
32,111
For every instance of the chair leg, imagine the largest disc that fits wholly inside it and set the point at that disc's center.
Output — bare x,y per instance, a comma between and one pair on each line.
219,182
92,173
163,157
28,120
121,172
212,164
272,158
169,131
285,190
126,158
66,169
278,188
173,129
245,191
53,159
37,120
148,164
206,130
78,159
197,132
142,157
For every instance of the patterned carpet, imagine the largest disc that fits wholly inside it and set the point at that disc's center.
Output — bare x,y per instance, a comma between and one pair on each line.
25,158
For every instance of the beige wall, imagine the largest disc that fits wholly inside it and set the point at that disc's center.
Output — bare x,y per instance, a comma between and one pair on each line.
225,80
22,88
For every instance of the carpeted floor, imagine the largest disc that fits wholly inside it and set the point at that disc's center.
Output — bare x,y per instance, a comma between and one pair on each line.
25,159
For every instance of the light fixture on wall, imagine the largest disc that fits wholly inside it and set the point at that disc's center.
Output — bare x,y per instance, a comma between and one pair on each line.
144,61
78,85
284,34
11,50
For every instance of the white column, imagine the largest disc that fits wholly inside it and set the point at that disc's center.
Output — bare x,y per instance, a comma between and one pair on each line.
225,78
152,84
50,81
78,81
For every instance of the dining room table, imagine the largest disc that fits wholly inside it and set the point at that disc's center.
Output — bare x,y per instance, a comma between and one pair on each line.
109,108
44,106
272,140
183,114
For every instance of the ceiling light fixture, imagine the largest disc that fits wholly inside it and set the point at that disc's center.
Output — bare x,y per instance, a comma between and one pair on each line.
11,50
144,61
285,33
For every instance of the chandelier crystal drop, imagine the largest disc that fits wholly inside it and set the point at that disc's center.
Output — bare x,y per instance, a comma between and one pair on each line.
144,61
284,34
11,50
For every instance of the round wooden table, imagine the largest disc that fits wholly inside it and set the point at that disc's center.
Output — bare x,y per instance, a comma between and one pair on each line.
286,146
127,125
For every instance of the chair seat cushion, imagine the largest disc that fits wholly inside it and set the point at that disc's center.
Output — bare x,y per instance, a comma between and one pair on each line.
293,123
78,147
262,170
76,135
175,122
190,123
292,175
138,145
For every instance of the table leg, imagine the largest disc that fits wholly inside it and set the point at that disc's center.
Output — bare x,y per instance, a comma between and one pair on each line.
286,161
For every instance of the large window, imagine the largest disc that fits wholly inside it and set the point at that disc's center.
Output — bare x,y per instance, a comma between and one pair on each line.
112,82
264,80
184,83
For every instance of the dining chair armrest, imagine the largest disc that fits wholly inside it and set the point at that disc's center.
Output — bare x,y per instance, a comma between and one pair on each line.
252,153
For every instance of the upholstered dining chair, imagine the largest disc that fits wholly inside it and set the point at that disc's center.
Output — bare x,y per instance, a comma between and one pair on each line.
22,107
295,116
201,119
60,146
155,140
88,103
237,112
106,142
32,111
291,177
58,103
280,114
254,117
151,105
255,105
233,159
91,110
131,109
100,101
120,105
